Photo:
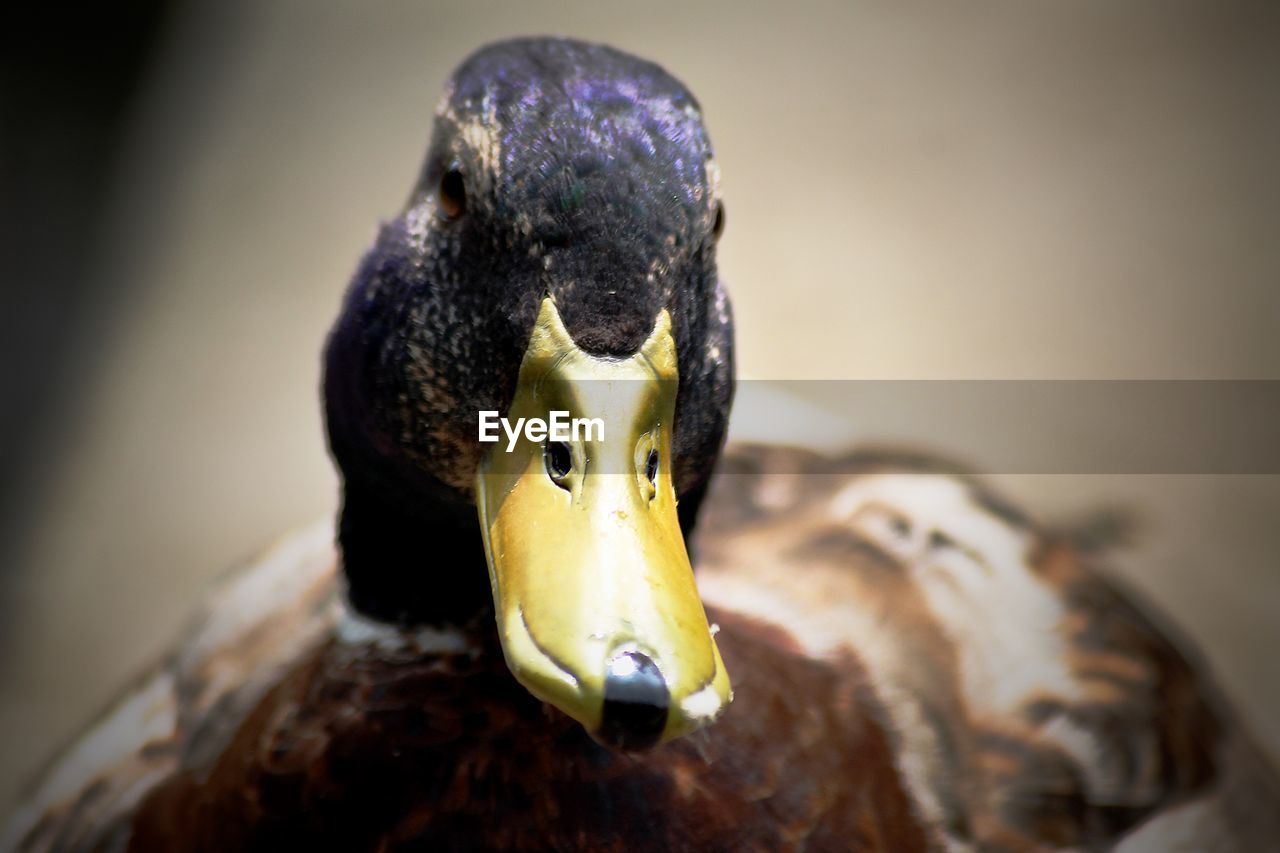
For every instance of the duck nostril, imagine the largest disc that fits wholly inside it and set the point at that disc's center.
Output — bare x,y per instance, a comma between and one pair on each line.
636,700
559,461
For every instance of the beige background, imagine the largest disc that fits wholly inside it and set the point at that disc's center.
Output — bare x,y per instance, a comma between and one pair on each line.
941,190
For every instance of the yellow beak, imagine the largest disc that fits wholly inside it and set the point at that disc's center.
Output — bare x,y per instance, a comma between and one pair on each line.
595,598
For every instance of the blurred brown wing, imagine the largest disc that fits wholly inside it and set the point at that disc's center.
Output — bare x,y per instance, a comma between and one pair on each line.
254,624
1033,702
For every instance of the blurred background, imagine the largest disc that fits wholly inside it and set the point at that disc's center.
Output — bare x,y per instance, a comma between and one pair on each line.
1084,190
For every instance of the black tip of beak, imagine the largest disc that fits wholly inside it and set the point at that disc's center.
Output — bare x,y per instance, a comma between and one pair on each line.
635,702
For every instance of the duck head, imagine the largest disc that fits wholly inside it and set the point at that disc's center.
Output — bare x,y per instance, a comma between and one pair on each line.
557,254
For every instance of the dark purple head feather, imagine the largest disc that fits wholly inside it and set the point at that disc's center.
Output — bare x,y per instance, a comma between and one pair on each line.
587,176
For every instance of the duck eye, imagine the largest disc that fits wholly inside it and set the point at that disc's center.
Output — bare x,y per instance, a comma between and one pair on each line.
717,227
559,460
453,194
651,467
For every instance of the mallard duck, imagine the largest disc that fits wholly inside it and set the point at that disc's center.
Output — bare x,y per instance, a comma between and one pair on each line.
507,648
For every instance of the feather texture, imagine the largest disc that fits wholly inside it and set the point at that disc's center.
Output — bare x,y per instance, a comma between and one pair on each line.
917,666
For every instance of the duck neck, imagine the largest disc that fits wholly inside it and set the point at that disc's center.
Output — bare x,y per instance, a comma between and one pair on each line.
421,562
412,562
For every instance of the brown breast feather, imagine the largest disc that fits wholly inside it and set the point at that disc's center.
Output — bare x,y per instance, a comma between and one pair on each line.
373,751
357,749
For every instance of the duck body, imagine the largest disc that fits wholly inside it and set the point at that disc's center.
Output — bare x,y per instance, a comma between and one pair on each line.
508,648
1033,702
368,746
287,719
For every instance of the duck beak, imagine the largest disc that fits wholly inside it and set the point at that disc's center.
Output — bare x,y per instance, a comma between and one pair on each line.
592,586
